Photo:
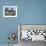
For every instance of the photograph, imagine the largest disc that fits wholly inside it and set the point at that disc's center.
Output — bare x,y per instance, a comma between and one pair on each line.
30,33
9,11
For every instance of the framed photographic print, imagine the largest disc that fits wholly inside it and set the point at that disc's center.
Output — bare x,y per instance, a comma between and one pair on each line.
33,32
9,11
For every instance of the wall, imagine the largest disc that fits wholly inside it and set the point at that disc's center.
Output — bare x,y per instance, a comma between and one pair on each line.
29,12
7,25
